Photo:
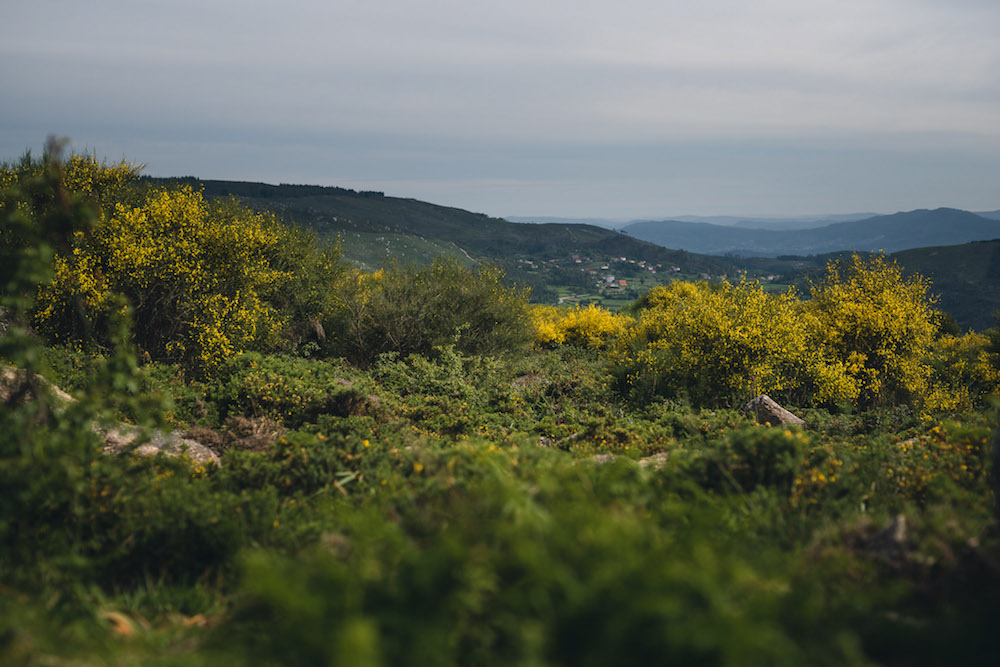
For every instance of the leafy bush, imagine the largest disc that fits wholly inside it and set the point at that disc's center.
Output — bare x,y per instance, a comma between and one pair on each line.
865,337
965,373
751,457
496,562
198,275
407,310
290,390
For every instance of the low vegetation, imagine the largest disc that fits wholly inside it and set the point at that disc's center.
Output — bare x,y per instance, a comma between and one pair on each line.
419,467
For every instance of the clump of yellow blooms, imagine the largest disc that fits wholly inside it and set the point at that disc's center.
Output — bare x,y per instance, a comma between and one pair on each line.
719,342
197,274
867,336
964,371
591,326
84,174
879,324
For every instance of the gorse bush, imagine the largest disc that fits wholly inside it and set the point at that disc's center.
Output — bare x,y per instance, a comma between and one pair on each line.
880,325
964,372
206,279
867,337
590,326
415,310
716,344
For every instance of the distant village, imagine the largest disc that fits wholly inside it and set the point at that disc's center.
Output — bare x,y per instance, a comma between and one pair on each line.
620,277
604,274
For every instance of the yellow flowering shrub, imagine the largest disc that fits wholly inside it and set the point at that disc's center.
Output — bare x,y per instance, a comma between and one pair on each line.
965,373
81,174
198,275
879,324
591,326
546,320
722,343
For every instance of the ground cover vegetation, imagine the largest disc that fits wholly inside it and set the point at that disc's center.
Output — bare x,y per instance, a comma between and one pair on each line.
420,467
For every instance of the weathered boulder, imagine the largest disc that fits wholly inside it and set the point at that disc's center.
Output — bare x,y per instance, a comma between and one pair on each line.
122,438
17,386
767,411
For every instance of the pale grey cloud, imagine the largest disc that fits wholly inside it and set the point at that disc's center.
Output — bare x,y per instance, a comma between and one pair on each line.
563,107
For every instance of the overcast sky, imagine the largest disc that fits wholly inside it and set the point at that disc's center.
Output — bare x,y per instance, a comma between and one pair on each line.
625,109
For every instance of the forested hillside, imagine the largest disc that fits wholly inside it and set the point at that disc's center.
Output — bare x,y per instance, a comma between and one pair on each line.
223,444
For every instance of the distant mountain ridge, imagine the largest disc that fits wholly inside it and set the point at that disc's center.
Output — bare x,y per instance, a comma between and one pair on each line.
752,222
891,233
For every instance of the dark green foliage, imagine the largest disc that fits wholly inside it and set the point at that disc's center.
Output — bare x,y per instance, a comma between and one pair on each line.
414,310
753,457
291,390
501,569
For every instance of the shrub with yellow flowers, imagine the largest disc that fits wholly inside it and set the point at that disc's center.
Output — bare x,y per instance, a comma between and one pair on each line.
724,343
199,275
964,373
592,326
878,323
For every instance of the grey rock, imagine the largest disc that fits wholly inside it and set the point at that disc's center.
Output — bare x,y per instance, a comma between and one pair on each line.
656,461
13,380
118,438
125,438
767,411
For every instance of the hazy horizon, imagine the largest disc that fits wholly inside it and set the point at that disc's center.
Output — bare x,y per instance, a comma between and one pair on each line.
565,109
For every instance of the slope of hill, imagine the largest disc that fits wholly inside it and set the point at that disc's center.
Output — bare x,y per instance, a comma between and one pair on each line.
966,279
376,227
891,233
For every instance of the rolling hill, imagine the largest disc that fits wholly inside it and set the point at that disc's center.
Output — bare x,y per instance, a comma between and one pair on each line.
376,229
966,279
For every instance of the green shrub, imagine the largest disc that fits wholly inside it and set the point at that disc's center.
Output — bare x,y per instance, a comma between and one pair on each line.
290,390
414,310
539,563
754,457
